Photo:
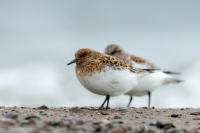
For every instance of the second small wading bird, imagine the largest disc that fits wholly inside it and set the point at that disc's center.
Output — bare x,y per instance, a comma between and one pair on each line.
147,82
103,74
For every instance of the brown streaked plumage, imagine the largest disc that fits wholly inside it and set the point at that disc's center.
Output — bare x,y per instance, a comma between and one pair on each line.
116,51
90,62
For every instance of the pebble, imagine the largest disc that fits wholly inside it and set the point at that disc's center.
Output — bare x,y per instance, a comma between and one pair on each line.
43,107
123,110
31,117
117,117
161,125
104,113
196,118
11,115
176,115
55,123
195,113
105,121
75,110
80,122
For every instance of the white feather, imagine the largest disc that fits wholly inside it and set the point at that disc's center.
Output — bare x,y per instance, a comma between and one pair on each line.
149,82
111,82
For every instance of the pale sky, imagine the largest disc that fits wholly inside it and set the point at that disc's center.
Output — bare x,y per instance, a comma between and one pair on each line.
39,37
52,30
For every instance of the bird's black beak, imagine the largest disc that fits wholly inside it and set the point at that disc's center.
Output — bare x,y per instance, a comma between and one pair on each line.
73,61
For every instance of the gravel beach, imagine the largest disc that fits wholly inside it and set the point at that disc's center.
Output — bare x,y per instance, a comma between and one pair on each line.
87,119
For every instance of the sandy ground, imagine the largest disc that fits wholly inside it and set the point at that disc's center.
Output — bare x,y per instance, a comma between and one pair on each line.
87,119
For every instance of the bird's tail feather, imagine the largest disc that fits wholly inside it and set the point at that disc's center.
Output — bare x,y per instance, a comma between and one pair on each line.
172,72
173,81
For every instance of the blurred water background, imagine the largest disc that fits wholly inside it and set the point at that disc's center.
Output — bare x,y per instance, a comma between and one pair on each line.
38,38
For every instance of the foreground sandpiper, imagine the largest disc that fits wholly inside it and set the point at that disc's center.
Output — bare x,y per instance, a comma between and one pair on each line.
103,74
147,82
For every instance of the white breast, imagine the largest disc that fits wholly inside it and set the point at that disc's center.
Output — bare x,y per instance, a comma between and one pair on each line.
111,82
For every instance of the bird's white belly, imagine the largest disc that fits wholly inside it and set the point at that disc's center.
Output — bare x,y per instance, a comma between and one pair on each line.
148,82
111,82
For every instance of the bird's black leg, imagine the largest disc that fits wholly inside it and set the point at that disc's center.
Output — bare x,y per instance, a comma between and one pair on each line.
108,100
149,99
129,104
103,103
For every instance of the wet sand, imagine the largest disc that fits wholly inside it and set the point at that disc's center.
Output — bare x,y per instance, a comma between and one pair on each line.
87,119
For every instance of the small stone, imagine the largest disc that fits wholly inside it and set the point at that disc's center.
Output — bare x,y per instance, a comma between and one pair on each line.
104,113
43,107
11,115
97,126
176,115
197,118
117,117
80,122
139,112
98,129
161,125
104,121
75,110
195,113
55,123
27,122
123,110
96,123
31,117
43,113
109,125
120,122
187,122
137,117
84,108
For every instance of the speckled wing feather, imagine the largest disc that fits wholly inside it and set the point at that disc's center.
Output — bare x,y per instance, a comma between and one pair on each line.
136,61
114,62
98,64
142,61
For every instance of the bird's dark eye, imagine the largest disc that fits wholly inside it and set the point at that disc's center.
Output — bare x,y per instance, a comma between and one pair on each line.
83,54
113,51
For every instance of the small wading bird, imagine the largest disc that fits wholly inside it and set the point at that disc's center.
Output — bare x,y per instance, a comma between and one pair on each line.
104,74
147,82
